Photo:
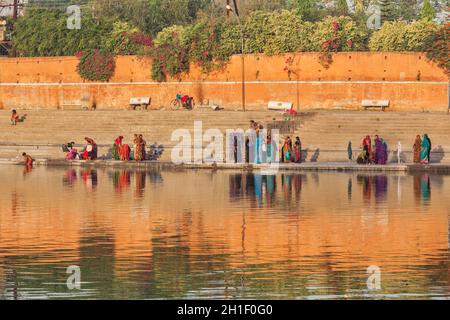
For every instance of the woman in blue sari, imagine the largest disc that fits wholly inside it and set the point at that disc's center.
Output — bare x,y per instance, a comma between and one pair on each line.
425,152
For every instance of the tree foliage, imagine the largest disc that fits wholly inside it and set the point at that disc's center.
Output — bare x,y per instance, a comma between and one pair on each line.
44,32
401,36
438,48
427,12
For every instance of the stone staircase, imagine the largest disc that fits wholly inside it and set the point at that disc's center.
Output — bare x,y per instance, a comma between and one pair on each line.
324,134
43,132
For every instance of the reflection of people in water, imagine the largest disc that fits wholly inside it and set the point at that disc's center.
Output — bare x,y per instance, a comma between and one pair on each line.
297,186
258,188
140,177
366,183
270,189
90,178
381,187
235,187
422,188
121,180
286,184
70,177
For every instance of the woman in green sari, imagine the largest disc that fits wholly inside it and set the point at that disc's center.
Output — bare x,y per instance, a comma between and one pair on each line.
425,152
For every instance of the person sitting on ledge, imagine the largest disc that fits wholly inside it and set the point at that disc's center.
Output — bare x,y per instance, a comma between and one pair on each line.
90,151
28,160
72,153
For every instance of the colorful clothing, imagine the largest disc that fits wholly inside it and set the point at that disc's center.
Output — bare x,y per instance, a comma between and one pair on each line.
287,151
425,151
298,151
380,156
116,148
367,146
417,149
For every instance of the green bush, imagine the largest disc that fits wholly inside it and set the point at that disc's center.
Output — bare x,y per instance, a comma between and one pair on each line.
43,32
401,36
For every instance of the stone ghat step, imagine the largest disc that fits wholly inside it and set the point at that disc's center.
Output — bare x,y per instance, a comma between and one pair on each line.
309,154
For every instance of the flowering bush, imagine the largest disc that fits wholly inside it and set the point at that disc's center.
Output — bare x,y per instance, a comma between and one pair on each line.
96,65
439,48
204,49
170,53
341,34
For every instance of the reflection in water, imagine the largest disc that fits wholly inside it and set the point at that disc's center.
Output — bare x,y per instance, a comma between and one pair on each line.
140,177
70,177
121,180
222,235
89,178
422,188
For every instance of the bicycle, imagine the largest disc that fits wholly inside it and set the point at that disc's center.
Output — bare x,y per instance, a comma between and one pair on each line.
178,103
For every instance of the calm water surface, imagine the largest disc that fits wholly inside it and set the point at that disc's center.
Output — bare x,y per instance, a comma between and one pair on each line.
198,234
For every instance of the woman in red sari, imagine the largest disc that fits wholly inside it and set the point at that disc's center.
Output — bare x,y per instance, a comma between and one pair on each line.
124,152
298,150
367,146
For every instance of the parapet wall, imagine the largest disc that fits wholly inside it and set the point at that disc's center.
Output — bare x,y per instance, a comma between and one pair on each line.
409,80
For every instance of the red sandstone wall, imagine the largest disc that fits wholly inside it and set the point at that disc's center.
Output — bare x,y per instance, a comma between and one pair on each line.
409,80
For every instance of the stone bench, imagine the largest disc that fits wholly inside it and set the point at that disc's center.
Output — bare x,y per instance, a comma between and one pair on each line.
279,105
139,103
383,104
74,105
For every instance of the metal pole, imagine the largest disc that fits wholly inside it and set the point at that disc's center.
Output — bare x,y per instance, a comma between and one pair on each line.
242,61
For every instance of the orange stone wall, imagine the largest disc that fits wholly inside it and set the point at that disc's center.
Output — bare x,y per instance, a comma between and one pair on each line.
409,80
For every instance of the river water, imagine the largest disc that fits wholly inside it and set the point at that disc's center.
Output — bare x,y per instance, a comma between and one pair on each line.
201,234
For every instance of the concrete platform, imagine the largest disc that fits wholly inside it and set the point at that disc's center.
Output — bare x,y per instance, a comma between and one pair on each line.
263,168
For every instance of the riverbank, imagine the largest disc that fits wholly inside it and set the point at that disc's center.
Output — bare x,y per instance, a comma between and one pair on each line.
264,168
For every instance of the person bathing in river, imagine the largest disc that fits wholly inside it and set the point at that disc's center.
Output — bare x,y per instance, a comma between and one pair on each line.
27,160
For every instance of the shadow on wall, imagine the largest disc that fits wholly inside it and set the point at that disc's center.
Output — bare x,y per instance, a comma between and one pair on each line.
314,157
404,157
437,154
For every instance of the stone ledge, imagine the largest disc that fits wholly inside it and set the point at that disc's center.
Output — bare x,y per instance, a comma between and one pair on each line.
264,168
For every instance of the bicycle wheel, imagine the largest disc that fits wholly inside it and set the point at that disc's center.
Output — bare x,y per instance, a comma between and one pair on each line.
174,104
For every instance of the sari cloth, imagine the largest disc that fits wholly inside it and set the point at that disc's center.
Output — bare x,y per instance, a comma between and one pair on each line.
269,148
287,150
425,152
298,151
257,147
417,149
115,153
124,152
